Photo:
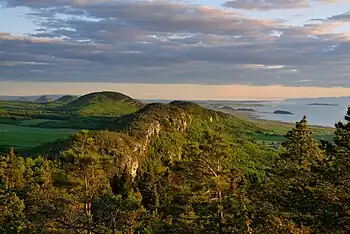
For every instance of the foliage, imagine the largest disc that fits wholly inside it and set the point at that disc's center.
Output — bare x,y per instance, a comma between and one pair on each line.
176,168
301,146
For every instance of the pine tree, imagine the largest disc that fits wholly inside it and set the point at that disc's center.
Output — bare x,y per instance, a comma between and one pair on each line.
302,148
214,181
342,143
12,217
342,165
86,180
13,170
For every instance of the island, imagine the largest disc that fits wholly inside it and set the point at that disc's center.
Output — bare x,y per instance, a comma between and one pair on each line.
322,104
228,108
245,109
282,112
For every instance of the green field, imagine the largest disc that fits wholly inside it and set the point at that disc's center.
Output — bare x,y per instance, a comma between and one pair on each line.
276,130
21,137
273,137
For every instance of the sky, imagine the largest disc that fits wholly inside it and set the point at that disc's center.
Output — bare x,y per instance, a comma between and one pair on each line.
176,49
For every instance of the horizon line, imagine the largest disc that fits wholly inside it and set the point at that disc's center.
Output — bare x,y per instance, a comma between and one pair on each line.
198,92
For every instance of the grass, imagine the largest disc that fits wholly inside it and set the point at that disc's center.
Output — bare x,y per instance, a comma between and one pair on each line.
268,137
21,137
108,108
34,122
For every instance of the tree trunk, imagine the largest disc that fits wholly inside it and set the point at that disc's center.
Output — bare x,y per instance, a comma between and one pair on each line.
87,202
221,214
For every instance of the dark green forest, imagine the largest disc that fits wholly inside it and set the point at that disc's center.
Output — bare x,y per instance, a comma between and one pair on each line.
169,168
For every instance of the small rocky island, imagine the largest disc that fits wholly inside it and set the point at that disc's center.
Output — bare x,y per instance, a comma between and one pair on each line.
228,108
283,112
322,104
245,109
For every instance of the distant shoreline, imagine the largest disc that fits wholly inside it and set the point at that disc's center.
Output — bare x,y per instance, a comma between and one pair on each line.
253,116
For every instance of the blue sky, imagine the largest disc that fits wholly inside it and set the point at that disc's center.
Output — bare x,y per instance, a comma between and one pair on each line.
292,43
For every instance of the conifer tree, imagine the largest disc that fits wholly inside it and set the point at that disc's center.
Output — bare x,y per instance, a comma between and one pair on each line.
301,146
12,218
342,164
86,178
214,182
342,142
13,170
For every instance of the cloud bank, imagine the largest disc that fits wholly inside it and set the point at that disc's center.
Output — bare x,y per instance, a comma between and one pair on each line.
173,42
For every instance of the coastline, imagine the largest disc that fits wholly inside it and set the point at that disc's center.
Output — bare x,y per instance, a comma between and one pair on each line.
280,127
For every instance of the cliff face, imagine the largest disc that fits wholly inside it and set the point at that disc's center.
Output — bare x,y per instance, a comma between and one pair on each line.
141,129
148,124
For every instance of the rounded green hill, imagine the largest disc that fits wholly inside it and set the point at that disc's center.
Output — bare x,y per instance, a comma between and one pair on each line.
104,104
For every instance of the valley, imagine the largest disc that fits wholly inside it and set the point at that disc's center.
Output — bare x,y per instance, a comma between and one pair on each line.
106,163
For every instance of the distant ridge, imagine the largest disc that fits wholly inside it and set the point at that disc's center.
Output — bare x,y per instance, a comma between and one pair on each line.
28,98
319,99
66,99
24,99
44,99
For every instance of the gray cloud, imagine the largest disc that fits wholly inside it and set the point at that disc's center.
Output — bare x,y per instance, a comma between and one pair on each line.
341,17
267,5
163,42
273,4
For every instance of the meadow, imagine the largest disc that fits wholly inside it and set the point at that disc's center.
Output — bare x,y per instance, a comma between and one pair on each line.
21,137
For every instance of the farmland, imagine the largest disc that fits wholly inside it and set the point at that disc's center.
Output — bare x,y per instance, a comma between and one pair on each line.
22,137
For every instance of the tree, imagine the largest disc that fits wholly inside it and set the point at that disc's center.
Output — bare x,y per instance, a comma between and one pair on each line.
12,217
13,169
308,197
301,147
79,180
342,166
215,185
342,143
115,214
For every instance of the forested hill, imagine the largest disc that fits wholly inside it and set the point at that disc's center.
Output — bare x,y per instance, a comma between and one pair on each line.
154,120
103,103
178,168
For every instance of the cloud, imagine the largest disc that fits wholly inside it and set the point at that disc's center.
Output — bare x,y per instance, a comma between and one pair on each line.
267,5
345,17
260,66
169,42
273,4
